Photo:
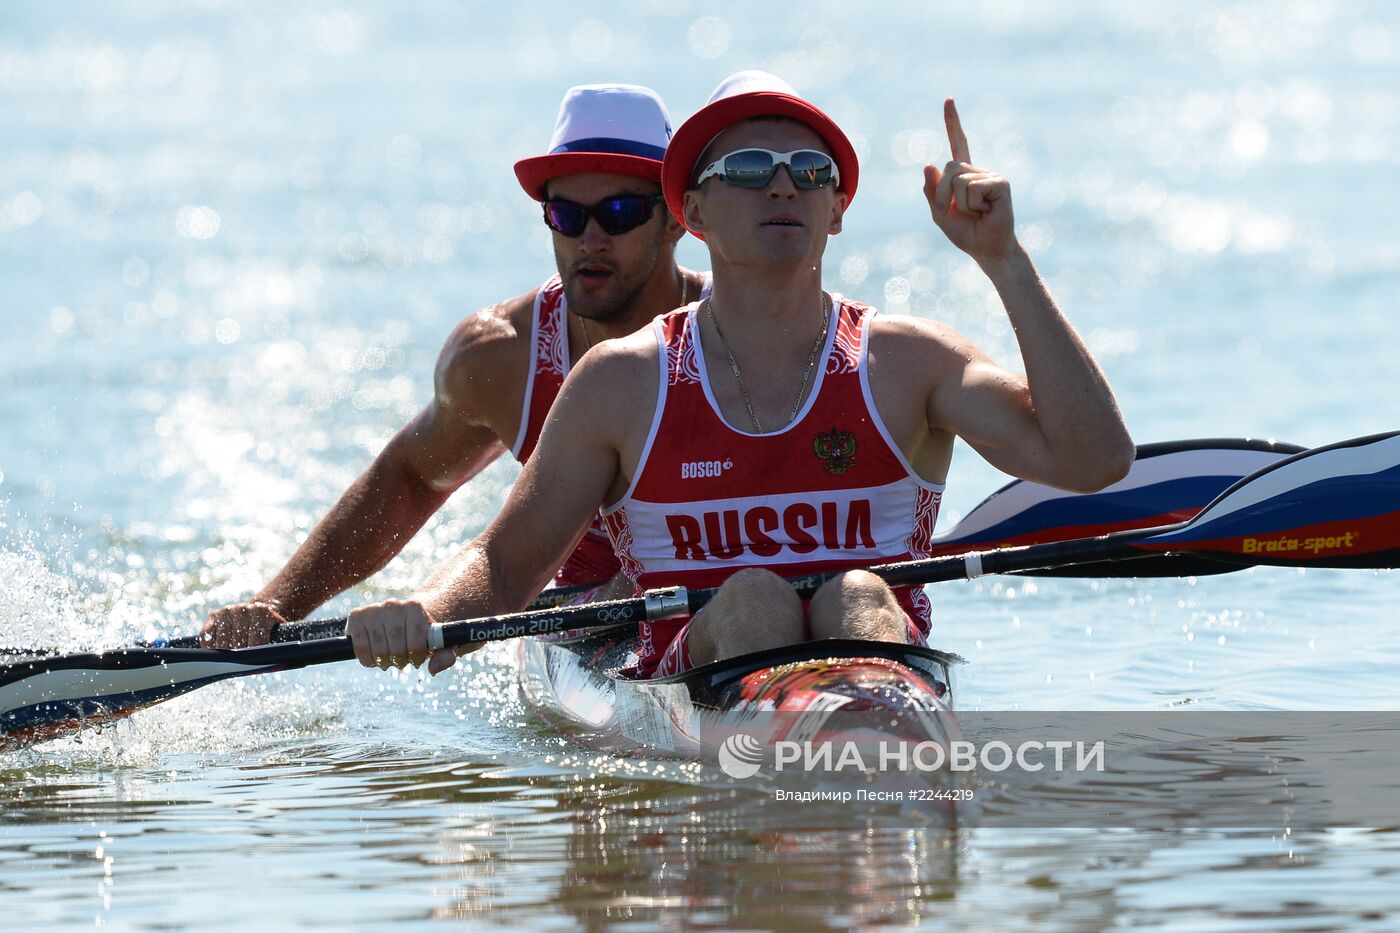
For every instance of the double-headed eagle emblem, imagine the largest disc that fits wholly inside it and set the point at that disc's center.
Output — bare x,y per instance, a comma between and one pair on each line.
836,450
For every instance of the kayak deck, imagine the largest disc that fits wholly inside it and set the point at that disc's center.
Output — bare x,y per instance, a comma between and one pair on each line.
579,684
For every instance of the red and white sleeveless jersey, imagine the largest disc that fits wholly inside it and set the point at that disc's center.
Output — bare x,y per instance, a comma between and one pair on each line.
593,560
831,491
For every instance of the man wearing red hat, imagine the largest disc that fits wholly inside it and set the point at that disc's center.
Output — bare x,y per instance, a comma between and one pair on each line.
775,429
500,370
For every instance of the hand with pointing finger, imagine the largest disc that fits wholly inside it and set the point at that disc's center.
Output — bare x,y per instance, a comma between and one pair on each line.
971,205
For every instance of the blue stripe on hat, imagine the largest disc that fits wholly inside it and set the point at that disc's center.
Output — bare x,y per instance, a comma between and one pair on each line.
603,144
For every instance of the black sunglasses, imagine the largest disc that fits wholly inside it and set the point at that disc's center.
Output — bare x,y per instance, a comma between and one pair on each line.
617,214
755,168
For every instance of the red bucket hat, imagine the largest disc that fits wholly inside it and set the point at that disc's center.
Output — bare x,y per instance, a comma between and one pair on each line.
617,128
739,97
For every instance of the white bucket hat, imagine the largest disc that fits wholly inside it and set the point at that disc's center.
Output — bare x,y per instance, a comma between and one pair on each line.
618,128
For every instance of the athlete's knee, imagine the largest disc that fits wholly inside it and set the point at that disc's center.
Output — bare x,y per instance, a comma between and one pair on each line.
754,587
857,589
753,610
857,604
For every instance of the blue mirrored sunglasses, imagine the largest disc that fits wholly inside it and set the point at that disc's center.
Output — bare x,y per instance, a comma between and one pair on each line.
617,214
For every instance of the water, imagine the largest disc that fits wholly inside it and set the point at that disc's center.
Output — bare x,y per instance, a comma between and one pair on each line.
233,239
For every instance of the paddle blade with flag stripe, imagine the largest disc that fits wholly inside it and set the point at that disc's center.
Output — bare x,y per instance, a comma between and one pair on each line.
1336,506
1333,506
1169,482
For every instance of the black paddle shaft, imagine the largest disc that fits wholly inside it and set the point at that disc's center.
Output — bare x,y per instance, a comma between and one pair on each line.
317,629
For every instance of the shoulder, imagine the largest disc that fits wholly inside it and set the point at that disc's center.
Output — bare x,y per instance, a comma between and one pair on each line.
621,361
901,336
486,334
615,382
487,351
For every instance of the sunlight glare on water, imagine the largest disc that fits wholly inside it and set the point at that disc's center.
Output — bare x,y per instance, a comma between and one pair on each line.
234,240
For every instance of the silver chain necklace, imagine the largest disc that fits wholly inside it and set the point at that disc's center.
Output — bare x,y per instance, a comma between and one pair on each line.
806,373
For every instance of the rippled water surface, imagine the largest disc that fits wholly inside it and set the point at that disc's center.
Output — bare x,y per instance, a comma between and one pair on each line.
233,238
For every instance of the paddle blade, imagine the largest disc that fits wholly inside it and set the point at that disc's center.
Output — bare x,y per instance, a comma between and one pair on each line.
1335,506
1169,482
50,697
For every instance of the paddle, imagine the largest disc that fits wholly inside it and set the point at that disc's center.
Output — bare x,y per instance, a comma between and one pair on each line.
1169,481
1336,506
1333,506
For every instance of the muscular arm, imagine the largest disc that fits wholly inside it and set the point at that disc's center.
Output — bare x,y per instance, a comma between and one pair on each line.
1060,424
478,390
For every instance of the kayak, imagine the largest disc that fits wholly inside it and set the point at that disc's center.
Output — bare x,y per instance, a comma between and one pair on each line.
580,684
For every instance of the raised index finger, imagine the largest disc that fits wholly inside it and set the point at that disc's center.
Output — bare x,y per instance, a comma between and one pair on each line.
957,139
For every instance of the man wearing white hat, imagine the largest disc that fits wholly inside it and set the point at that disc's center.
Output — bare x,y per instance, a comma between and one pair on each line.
501,368
775,429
